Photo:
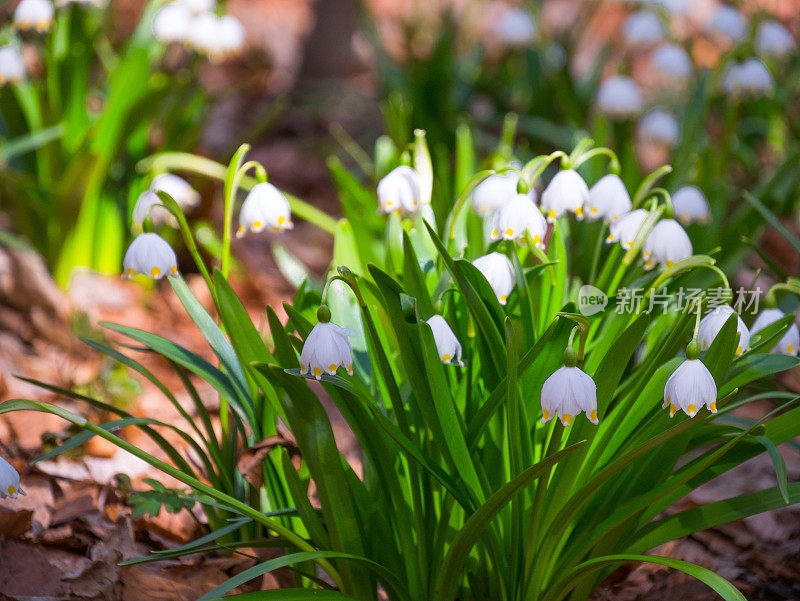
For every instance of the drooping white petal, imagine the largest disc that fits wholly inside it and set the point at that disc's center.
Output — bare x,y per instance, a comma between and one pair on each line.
608,199
672,63
566,192
447,345
265,206
619,97
34,14
568,392
325,349
178,188
494,192
712,323
643,28
12,69
659,127
774,40
789,342
666,244
149,204
518,216
151,255
727,22
625,229
690,205
690,387
172,23
499,272
400,190
750,78
9,481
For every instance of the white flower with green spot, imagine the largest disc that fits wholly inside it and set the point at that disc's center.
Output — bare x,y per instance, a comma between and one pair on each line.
265,206
568,392
712,323
326,348
666,244
566,192
447,345
499,272
518,216
151,255
690,387
9,481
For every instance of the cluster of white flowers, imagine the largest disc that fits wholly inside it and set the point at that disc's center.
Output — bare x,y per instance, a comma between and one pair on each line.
400,191
750,78
196,25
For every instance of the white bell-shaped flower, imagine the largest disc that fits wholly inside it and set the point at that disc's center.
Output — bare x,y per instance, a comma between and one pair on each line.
666,244
515,27
625,229
172,23
12,69
34,14
9,481
608,199
774,40
447,345
178,188
643,28
672,63
149,204
659,127
493,192
265,206
566,192
750,78
789,342
151,255
204,35
325,349
568,392
727,22
689,388
499,272
712,323
690,205
232,35
400,191
619,97
517,216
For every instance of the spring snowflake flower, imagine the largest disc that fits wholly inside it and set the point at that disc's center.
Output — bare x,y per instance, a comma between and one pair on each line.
749,78
672,63
568,392
151,255
149,204
643,28
515,27
9,481
172,23
712,323
399,191
659,127
728,22
619,97
789,342
499,272
608,199
34,14
666,244
447,344
690,205
624,230
178,188
204,35
264,206
325,349
12,69
516,217
566,192
689,388
494,192
774,40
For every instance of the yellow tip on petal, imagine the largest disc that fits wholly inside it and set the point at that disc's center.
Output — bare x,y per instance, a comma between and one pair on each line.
691,410
579,211
350,369
790,349
670,263
446,357
131,272
503,298
610,238
256,225
672,409
174,270
155,272
332,367
551,214
509,232
649,264
593,211
317,373
494,233
545,415
713,407
567,419
536,239
739,350
11,490
281,219
593,415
